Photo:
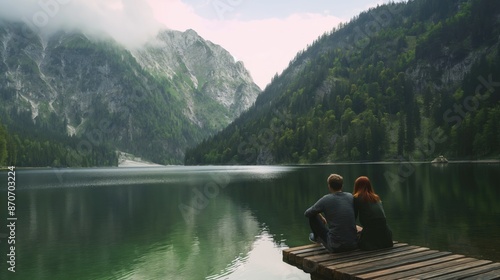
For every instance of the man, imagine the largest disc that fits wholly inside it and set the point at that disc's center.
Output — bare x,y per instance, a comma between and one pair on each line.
336,228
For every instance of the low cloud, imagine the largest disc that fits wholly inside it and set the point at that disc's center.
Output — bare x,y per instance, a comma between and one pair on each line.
265,46
130,22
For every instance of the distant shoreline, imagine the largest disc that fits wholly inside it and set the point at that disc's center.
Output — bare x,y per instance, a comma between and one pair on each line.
396,162
132,163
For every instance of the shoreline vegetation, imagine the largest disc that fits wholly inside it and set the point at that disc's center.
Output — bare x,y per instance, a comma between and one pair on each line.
124,160
129,163
130,160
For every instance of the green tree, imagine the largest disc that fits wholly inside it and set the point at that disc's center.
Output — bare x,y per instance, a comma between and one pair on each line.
3,145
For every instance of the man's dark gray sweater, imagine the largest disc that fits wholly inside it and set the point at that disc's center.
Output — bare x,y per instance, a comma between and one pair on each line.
338,211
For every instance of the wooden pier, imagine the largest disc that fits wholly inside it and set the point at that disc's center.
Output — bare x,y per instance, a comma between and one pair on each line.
403,261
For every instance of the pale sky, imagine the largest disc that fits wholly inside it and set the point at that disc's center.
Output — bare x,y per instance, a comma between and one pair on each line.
264,34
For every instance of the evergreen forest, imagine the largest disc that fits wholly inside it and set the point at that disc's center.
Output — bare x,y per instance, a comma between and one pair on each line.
34,144
403,81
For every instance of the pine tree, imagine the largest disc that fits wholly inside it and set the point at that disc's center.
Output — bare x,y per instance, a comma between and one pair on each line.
3,145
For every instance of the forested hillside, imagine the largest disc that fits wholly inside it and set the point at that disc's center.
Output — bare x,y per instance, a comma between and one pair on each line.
406,81
68,99
35,145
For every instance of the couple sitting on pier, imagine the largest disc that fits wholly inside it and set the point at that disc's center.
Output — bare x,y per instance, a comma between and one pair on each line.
333,218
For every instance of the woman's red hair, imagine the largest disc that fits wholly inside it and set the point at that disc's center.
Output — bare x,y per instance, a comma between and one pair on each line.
364,190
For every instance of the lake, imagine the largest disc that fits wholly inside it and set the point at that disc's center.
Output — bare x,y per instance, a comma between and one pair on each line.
227,222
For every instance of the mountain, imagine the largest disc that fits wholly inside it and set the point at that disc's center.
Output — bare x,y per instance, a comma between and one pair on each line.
207,71
83,95
403,81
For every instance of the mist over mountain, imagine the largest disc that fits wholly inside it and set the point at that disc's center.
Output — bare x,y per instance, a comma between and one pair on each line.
406,81
84,98
130,22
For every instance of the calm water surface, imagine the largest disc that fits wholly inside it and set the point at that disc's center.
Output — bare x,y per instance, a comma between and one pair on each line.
227,222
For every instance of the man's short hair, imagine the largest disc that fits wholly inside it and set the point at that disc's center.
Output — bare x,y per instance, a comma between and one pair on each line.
335,181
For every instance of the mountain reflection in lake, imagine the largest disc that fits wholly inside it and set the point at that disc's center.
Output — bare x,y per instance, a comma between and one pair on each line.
228,222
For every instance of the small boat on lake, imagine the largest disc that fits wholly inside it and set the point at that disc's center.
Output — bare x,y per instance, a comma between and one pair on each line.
440,159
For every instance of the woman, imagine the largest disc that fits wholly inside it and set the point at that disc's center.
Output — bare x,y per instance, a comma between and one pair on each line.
375,234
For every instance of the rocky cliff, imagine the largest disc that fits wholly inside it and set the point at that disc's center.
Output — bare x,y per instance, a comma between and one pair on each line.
153,101
202,70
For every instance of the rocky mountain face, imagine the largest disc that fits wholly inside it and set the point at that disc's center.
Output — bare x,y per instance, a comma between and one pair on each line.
152,102
202,70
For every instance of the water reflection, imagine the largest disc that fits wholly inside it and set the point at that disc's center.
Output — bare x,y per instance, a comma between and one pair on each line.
228,222
96,230
260,263
449,208
453,208
195,250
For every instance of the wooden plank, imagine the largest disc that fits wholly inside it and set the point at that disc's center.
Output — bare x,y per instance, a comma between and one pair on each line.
310,252
315,247
470,272
296,259
491,275
294,249
306,248
357,254
287,252
353,253
389,263
424,264
313,266
327,268
421,270
372,258
449,270
403,261
310,264
316,277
